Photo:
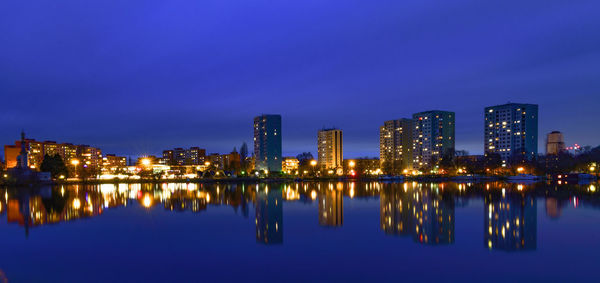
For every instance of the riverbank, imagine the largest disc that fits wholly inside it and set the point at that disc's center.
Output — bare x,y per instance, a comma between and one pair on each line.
280,180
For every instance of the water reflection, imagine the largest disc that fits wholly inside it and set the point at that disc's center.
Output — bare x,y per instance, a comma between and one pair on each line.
269,215
422,212
331,207
510,221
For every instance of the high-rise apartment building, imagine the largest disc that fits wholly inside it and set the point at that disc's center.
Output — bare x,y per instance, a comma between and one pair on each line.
267,142
330,148
511,130
555,143
433,137
396,144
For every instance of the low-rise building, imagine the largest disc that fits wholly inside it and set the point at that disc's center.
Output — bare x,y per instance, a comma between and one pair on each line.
290,165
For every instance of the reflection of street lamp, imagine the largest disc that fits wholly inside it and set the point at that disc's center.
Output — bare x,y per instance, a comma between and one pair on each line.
147,201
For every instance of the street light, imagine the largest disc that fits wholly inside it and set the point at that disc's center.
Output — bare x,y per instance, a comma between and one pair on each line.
75,162
146,162
313,163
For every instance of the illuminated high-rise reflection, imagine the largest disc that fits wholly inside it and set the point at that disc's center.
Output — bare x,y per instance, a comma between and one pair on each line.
396,216
434,215
425,212
269,215
331,208
510,221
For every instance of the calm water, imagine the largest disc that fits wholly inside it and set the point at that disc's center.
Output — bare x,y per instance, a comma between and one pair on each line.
301,232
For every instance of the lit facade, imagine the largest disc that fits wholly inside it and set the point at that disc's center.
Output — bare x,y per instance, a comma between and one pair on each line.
555,143
511,130
330,148
396,144
433,137
267,142
36,150
180,156
112,162
290,164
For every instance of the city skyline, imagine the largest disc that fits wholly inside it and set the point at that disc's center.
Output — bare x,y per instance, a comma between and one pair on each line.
87,79
540,137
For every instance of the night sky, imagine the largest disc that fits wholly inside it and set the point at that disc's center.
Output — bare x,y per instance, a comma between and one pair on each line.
137,77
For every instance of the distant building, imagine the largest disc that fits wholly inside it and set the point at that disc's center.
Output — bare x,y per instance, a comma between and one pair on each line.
267,142
290,164
555,143
112,162
90,156
396,144
180,156
433,137
22,172
511,130
362,165
216,160
231,161
330,148
36,150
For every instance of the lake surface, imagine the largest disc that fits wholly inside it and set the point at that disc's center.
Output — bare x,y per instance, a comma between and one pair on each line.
339,231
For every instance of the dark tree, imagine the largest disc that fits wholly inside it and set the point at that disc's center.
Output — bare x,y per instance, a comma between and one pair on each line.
244,164
305,158
492,161
447,160
55,165
244,151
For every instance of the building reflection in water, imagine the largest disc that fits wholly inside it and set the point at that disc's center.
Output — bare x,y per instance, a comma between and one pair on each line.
269,215
554,207
331,206
423,211
510,221
396,216
40,206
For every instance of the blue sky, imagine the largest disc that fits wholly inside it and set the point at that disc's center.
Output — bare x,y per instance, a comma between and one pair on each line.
136,77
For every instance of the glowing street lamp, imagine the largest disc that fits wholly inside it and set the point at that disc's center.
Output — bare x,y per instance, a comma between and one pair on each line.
313,163
351,164
520,169
146,162
74,162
